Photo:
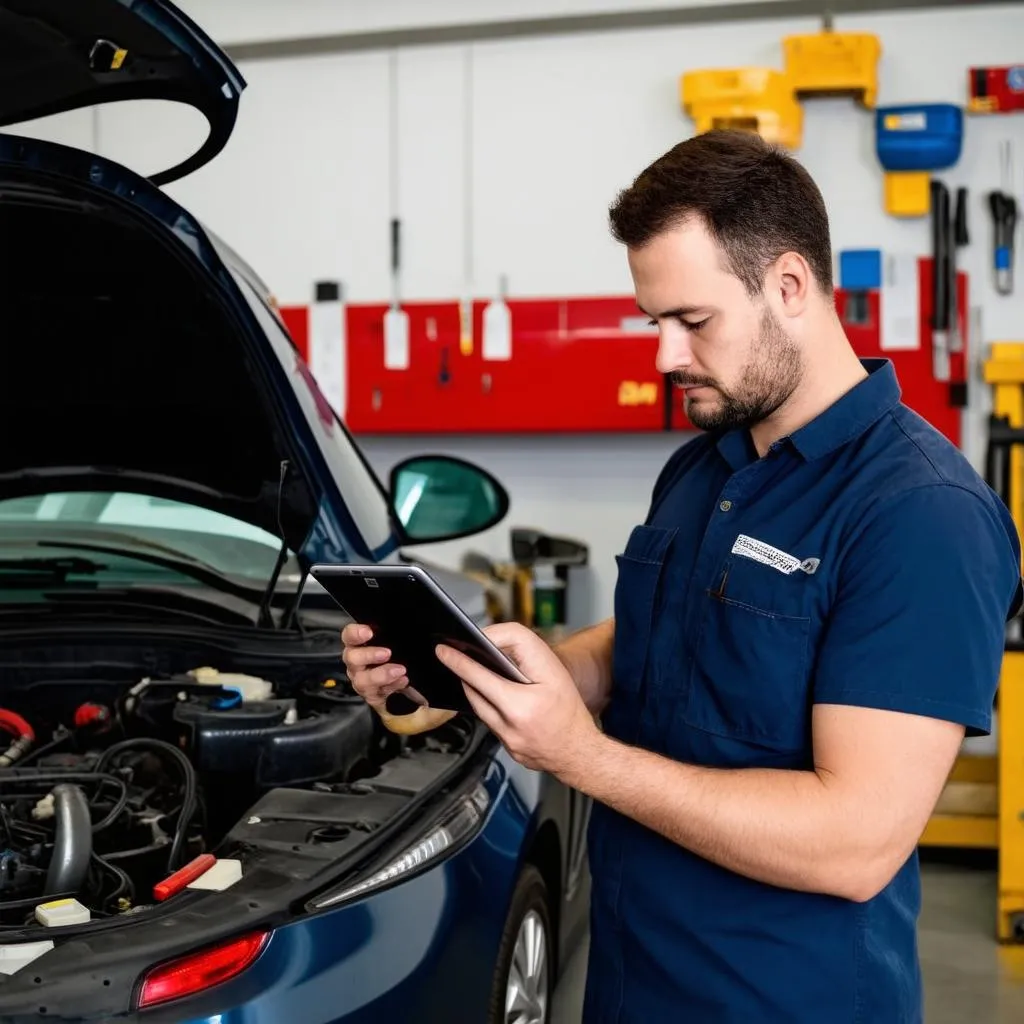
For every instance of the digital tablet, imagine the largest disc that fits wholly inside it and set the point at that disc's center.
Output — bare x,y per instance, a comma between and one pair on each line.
410,614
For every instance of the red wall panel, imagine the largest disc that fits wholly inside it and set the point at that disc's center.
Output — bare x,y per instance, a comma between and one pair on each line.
935,400
296,319
577,365
573,368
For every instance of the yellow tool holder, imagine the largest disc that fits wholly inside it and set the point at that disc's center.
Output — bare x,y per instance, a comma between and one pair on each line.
767,101
1004,370
759,100
982,805
907,193
834,64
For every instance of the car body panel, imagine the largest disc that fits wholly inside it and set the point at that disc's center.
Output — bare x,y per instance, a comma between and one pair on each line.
423,950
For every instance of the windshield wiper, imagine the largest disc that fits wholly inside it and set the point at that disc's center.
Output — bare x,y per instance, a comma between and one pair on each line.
181,564
14,571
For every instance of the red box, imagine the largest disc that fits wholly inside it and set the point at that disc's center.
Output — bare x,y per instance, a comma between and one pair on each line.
998,90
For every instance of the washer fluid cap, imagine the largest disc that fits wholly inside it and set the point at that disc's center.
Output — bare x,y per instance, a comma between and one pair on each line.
58,913
250,687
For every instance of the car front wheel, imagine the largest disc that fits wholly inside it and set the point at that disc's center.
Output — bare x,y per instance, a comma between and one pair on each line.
523,980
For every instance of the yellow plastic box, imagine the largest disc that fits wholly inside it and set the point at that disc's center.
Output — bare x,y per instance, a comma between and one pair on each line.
834,64
760,100
908,193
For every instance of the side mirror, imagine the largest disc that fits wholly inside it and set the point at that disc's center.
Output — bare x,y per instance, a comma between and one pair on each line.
438,497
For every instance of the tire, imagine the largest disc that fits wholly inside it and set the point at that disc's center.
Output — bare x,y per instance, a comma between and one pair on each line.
528,919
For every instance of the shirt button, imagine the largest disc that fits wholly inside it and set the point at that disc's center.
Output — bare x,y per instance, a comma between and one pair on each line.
725,505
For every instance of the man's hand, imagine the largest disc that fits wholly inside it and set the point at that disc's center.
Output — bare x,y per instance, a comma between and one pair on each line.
370,670
544,725
375,677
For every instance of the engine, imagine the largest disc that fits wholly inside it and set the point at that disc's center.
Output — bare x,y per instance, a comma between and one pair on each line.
102,799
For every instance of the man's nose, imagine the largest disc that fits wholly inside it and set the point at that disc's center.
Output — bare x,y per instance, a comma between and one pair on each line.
673,350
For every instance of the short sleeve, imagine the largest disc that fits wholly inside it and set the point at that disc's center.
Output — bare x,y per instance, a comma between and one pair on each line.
923,594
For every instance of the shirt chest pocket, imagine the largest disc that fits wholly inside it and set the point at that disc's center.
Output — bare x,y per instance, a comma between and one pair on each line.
750,675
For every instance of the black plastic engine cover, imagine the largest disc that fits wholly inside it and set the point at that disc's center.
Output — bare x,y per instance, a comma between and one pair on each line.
255,740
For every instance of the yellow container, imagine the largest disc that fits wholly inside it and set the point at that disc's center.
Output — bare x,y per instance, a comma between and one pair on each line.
760,100
907,193
834,64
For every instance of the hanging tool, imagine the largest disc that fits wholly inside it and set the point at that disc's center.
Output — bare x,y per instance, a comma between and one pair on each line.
912,142
396,320
1004,218
960,238
466,325
941,238
497,343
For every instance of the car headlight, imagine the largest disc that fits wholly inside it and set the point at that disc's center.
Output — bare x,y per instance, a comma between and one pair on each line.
457,827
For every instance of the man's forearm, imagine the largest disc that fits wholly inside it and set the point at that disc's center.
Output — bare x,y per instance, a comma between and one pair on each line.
587,654
793,829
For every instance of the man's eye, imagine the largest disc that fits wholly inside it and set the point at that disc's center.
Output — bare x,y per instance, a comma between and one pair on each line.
697,326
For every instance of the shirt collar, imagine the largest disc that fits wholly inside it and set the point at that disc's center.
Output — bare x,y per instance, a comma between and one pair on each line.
848,418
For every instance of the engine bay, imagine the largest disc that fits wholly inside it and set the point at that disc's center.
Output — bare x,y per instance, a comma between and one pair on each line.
107,789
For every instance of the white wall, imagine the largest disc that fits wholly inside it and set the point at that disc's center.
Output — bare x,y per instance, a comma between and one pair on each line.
249,21
555,127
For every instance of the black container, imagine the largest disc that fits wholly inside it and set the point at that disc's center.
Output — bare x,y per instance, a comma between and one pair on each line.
256,740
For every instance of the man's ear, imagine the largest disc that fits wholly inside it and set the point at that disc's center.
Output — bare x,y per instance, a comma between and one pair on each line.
790,281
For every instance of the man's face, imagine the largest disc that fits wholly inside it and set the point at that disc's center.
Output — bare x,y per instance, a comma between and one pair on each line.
726,350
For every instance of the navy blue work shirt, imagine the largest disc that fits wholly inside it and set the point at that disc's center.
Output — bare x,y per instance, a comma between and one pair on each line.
860,561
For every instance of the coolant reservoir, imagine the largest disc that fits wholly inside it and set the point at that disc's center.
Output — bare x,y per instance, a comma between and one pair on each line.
250,687
759,100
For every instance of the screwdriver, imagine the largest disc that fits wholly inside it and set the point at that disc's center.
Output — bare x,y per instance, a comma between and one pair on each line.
1004,218
941,244
960,238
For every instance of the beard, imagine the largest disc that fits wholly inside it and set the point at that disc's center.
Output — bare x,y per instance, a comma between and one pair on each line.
766,383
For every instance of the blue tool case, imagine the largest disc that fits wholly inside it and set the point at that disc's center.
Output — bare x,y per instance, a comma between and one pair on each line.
925,137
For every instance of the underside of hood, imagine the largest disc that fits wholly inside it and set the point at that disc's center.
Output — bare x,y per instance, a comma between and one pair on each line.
58,55
124,368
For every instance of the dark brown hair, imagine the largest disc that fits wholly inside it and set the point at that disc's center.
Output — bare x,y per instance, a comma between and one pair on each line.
755,200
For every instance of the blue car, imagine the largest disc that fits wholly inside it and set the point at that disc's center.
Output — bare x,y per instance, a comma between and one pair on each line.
199,821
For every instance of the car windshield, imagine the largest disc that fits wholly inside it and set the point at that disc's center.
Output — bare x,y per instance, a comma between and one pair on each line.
150,526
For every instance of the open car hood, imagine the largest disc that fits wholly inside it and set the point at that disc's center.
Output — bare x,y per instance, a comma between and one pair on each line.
59,55
140,355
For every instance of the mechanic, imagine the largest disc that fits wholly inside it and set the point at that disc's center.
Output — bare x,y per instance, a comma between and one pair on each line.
807,623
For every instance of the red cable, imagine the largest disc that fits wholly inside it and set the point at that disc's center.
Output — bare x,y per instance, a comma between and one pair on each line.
15,723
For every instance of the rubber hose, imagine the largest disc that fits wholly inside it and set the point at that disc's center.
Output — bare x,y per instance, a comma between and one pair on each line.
72,847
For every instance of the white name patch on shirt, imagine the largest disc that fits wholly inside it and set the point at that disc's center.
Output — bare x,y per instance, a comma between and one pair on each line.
757,550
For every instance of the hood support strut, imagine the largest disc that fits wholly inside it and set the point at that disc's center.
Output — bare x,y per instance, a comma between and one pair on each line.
265,618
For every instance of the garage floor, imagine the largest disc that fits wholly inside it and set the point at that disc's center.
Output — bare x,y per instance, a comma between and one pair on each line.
967,977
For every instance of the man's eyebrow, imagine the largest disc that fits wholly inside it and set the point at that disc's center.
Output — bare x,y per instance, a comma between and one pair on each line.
678,311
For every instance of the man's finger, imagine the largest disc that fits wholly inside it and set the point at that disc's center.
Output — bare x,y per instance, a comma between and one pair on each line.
507,635
532,654
472,672
385,676
360,657
354,633
485,711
